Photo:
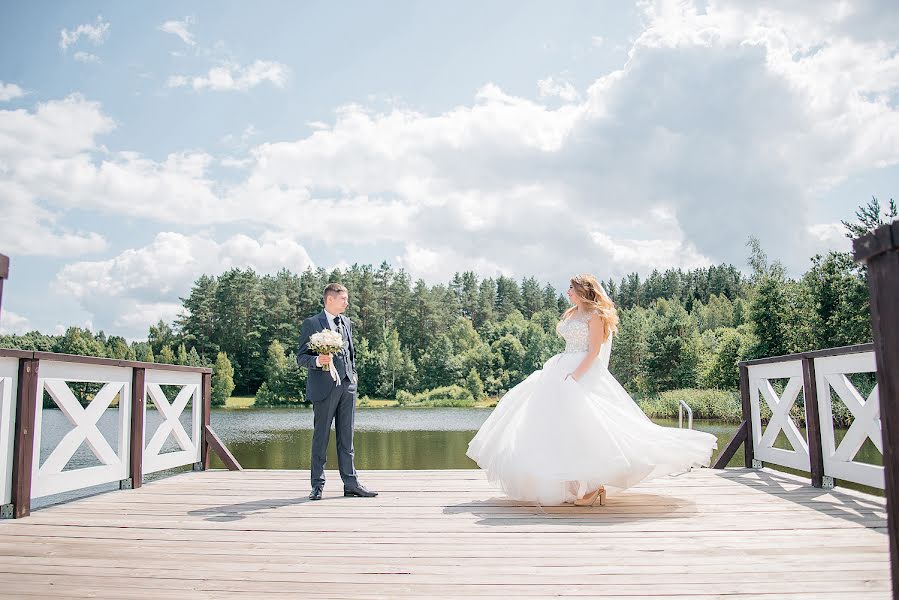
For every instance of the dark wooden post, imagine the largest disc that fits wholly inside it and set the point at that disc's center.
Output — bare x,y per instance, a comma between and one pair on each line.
743,434
880,251
4,274
207,420
137,426
812,421
23,449
748,453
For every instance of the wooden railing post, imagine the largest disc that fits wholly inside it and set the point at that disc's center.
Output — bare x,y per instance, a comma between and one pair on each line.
813,422
743,434
207,420
23,448
4,274
748,454
138,378
880,251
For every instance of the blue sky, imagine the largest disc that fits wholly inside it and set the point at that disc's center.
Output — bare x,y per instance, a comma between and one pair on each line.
143,144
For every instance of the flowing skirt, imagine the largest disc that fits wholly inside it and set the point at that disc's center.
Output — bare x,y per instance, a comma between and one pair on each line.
552,439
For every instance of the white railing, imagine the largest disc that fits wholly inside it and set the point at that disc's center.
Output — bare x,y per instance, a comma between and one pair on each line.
830,373
760,388
818,376
34,464
189,445
49,475
9,378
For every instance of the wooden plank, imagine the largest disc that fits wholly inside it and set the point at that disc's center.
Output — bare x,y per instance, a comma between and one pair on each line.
4,274
12,353
216,444
853,349
728,453
23,446
880,251
114,362
451,533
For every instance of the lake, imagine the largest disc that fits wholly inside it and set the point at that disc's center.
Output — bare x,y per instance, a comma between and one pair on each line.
386,438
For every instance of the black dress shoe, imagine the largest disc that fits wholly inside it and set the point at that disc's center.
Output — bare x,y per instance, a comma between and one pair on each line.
359,491
316,493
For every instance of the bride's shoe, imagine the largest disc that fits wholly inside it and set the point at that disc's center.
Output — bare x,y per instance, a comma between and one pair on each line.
599,494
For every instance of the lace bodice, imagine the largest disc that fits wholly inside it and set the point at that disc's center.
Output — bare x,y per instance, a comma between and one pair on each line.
576,333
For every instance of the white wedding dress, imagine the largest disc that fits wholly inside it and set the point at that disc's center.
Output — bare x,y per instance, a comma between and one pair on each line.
551,438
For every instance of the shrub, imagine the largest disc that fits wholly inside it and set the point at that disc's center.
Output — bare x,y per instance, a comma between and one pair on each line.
450,395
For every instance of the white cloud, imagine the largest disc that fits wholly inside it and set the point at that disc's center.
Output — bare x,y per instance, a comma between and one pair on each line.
12,323
235,77
440,263
597,41
86,57
646,255
10,91
180,29
829,236
550,87
139,286
96,33
51,141
722,123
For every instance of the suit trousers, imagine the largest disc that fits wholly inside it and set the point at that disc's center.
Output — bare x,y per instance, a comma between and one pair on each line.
339,407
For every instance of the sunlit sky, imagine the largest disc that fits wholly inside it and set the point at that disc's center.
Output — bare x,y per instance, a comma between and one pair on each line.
144,144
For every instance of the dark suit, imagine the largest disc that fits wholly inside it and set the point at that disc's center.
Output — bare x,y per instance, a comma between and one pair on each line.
331,402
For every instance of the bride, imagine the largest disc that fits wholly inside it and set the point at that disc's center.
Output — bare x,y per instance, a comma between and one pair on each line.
570,429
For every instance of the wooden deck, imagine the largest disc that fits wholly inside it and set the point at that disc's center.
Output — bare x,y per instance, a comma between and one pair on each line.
707,534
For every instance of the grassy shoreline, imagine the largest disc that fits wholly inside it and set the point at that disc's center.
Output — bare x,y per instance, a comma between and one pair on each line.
721,405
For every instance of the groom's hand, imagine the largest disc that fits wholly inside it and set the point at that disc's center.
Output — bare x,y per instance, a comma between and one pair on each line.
324,360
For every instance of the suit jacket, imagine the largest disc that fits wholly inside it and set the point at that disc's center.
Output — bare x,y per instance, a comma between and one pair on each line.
319,383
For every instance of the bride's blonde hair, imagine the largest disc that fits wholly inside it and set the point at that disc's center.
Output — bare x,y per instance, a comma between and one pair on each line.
595,299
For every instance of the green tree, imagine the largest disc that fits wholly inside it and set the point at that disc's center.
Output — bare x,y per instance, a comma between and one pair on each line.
672,355
721,371
166,356
627,362
870,216
474,385
837,290
183,357
222,380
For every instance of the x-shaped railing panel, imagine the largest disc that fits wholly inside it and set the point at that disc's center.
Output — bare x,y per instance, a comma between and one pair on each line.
831,375
85,422
50,476
171,414
760,387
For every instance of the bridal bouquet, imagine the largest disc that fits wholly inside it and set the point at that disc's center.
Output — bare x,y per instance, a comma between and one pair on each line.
327,342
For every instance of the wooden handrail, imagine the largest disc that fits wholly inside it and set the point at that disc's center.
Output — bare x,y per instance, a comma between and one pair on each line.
4,275
879,250
854,349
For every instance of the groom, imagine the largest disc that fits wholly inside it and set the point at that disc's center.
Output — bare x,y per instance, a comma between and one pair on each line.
330,401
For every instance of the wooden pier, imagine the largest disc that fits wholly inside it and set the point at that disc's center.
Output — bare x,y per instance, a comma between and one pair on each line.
735,533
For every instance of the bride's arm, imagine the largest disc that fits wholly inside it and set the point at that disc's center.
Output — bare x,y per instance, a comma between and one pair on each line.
595,338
